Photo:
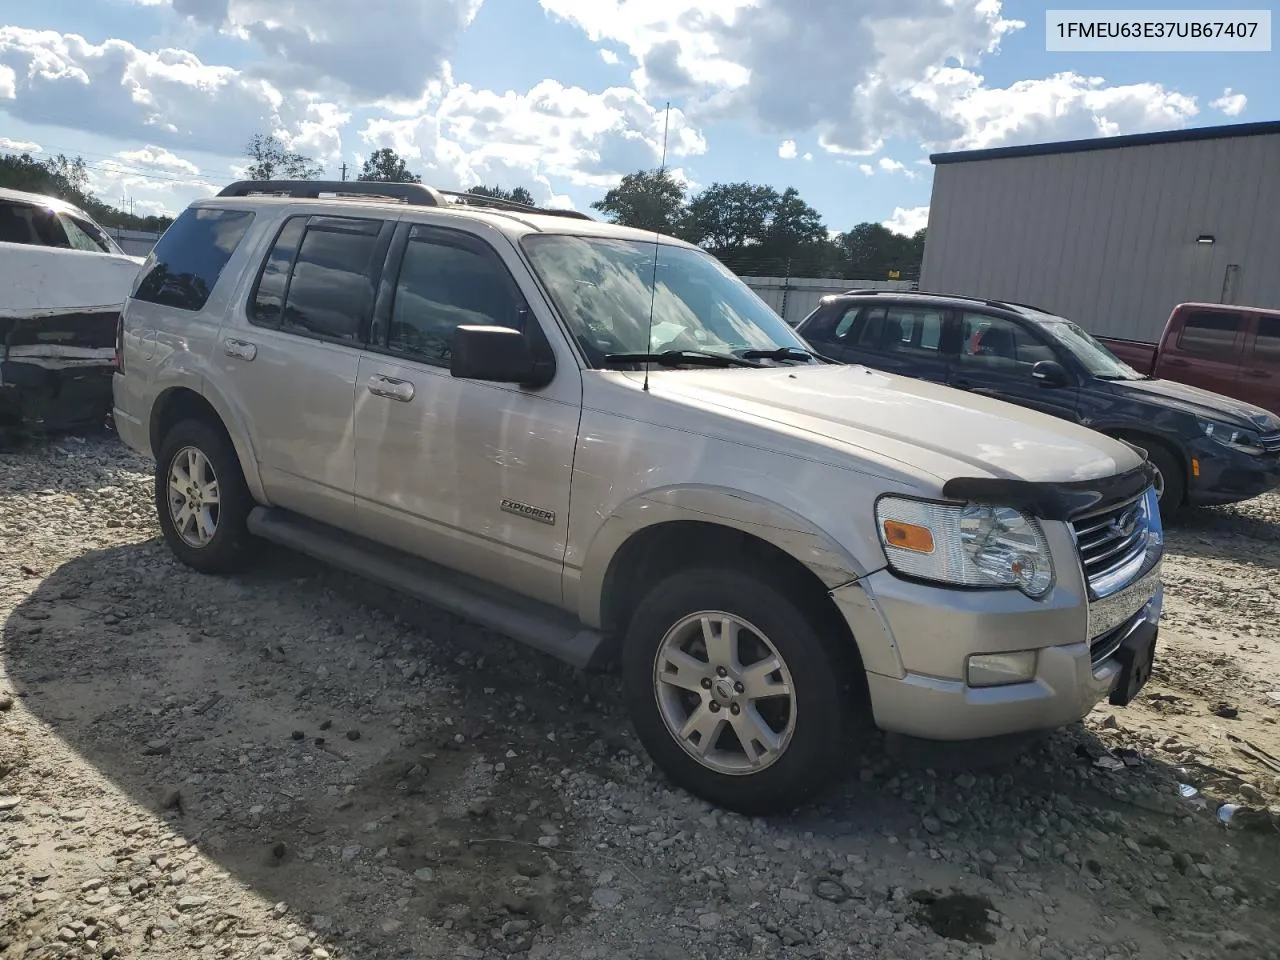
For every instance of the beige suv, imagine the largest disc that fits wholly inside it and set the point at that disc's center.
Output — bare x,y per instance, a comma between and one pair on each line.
600,442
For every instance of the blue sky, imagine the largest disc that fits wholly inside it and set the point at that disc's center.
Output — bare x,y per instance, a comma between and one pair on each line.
843,100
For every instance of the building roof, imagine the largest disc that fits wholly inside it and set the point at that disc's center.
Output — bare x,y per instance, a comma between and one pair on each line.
1221,132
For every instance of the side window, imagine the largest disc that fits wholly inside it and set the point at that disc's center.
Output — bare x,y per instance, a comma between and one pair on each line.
267,302
995,343
1266,344
79,237
1208,331
330,291
444,283
908,330
845,323
187,261
37,226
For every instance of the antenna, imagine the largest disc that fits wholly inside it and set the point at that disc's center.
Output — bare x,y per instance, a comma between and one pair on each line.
657,238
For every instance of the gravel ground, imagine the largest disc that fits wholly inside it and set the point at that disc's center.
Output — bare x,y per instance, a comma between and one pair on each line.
295,763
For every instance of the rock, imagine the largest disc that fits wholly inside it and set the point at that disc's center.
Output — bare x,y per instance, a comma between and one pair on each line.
6,703
76,815
186,904
549,842
171,800
353,735
298,735
931,824
390,925
514,928
604,898
425,874
350,852
709,921
9,802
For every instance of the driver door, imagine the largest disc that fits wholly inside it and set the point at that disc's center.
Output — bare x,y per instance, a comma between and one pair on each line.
994,357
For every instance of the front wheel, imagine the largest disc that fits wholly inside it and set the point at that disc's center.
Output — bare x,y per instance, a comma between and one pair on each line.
734,692
1171,485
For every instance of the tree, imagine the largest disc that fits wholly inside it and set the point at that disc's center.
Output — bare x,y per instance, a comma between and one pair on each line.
273,161
872,250
68,179
730,218
387,166
647,200
516,195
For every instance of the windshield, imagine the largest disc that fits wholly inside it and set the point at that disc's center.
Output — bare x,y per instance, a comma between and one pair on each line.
1097,359
603,288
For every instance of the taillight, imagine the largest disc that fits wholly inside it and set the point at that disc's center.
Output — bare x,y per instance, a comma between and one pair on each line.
119,359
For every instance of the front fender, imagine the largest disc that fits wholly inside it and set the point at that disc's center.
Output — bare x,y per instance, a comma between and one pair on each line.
775,524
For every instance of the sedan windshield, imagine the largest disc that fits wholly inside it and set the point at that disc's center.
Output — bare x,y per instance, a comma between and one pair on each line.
1097,359
605,290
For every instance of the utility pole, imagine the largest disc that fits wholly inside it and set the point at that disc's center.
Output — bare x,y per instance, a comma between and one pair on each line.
344,170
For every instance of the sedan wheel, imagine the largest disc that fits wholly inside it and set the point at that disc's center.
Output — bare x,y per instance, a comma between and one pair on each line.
193,497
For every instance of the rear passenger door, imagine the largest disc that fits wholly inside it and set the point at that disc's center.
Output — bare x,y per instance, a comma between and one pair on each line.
289,359
994,357
896,338
1260,367
469,474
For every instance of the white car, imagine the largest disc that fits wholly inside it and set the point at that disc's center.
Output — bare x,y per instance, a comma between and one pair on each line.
62,283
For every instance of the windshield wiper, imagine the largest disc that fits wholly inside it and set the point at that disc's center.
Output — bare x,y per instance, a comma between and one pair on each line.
681,358
781,353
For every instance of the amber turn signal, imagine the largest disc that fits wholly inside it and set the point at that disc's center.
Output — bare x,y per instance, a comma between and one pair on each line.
908,536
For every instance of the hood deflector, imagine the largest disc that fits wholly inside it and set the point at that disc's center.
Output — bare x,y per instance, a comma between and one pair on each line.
1052,501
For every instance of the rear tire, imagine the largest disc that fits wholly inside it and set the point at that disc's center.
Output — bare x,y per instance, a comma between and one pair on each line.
756,741
202,501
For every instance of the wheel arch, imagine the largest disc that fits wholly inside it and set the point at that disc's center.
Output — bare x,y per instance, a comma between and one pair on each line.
1146,439
181,402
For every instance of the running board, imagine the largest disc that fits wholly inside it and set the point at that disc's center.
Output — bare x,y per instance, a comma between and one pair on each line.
538,625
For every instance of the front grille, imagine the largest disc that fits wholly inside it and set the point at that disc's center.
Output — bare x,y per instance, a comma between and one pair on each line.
1103,647
1270,443
1111,541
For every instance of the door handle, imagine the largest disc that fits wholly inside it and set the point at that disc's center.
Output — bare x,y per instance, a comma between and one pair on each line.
240,349
390,388
1258,374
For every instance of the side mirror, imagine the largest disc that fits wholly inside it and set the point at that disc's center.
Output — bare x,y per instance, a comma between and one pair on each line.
1050,373
500,355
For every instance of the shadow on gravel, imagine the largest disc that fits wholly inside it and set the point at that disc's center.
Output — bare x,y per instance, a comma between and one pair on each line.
358,755
1223,533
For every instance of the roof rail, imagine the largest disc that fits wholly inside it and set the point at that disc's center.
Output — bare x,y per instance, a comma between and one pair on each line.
866,292
415,194
500,203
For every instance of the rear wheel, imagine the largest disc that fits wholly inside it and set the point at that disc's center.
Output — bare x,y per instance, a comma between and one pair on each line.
733,691
202,501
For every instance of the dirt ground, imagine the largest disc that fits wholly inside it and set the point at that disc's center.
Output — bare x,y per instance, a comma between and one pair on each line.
295,763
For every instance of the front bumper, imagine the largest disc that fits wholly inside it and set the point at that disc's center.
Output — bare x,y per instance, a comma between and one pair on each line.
918,688
1225,475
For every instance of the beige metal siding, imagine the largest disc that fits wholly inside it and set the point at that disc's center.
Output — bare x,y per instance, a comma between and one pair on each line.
795,298
1107,237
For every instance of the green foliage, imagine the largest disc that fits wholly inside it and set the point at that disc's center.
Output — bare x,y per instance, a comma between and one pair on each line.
271,160
386,166
68,179
648,200
517,195
758,231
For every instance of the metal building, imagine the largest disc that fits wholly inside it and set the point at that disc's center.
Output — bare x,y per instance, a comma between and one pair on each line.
1112,232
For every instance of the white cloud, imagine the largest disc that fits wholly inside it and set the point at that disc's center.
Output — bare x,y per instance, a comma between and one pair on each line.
908,220
391,48
787,150
867,169
889,165
160,159
609,57
1232,104
469,136
20,146
807,155
1063,106
915,77
8,83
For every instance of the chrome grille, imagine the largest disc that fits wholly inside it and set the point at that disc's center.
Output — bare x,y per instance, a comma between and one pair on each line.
1270,443
1112,540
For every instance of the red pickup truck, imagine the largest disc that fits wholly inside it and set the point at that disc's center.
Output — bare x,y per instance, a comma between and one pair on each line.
1234,351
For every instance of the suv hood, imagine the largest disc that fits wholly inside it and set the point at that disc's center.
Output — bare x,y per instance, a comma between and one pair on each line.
927,427
1199,403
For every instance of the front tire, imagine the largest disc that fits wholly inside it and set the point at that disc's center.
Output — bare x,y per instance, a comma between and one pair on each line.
202,501
1171,485
734,691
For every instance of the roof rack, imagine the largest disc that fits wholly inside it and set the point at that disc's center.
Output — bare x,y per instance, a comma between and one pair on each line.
863,292
413,194
499,203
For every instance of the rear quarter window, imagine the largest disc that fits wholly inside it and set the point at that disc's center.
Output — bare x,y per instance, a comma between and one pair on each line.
1209,332
187,261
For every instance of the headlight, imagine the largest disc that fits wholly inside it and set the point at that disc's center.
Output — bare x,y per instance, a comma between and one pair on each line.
1246,441
965,545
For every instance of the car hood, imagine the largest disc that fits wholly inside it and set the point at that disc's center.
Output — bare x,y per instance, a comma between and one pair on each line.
1199,403
927,427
